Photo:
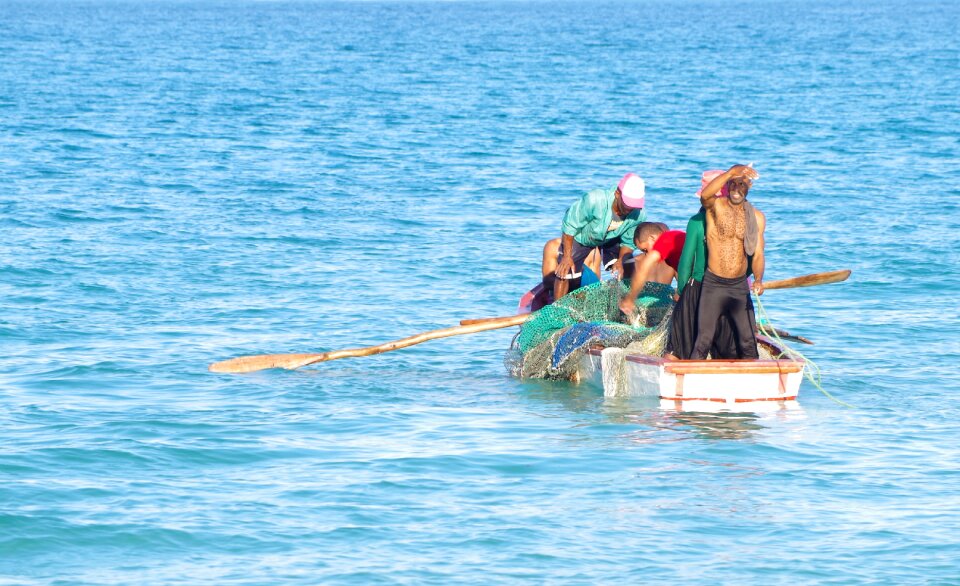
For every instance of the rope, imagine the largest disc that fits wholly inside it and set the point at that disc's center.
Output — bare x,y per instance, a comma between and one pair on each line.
815,380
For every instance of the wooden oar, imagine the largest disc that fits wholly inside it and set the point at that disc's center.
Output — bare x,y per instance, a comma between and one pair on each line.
467,326
791,283
293,361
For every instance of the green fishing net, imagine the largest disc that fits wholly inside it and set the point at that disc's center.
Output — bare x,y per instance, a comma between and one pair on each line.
552,341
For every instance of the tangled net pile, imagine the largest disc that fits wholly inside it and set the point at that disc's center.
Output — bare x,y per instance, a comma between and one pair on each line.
552,341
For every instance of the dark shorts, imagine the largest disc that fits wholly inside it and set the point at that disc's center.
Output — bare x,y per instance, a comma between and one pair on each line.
609,252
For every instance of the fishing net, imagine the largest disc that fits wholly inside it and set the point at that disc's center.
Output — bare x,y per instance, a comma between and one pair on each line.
552,341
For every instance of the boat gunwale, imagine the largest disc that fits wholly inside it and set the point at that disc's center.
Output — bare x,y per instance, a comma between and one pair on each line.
744,366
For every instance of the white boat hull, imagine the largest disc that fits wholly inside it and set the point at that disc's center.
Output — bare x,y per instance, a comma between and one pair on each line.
702,385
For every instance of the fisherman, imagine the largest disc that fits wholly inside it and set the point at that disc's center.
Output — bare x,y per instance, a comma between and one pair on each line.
661,249
693,261
734,234
603,219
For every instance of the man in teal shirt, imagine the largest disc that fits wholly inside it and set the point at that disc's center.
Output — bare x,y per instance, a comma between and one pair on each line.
603,219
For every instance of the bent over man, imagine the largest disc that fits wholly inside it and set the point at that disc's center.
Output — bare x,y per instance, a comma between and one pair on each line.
734,233
603,219
661,249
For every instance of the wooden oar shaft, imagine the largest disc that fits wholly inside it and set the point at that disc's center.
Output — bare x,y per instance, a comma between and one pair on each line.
791,283
293,361
483,320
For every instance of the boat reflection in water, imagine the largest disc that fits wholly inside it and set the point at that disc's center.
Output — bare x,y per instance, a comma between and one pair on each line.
650,420
727,426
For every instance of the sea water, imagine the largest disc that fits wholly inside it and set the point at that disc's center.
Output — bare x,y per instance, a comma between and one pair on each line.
182,182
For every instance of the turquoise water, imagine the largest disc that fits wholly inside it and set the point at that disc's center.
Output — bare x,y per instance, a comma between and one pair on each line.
184,182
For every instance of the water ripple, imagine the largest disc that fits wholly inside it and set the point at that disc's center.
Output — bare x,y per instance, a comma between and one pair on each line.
190,181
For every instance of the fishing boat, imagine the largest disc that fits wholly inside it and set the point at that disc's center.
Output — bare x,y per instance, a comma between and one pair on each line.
763,384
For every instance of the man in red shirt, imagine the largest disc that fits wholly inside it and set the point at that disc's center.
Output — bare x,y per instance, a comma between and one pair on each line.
662,248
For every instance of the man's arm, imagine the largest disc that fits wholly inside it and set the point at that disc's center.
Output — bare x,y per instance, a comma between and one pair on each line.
708,195
565,266
574,221
759,263
627,245
629,303
625,251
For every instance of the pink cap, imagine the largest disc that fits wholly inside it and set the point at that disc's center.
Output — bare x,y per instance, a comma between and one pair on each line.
709,176
632,190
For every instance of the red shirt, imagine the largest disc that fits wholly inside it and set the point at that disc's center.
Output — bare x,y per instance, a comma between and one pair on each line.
670,246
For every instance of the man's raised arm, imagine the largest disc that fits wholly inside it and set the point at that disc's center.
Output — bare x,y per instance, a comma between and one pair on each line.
708,195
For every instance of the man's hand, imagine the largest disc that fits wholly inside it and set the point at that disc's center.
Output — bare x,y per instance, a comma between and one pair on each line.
617,269
564,267
758,287
628,306
744,171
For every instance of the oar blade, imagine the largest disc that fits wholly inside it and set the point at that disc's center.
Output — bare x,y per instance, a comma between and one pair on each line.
243,364
785,335
809,280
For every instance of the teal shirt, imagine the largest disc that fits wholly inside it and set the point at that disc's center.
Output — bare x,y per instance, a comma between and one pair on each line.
693,259
589,217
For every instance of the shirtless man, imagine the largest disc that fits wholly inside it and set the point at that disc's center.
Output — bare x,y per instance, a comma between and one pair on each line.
734,234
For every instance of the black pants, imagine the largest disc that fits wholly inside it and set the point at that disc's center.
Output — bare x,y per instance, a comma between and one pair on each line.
683,328
728,298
